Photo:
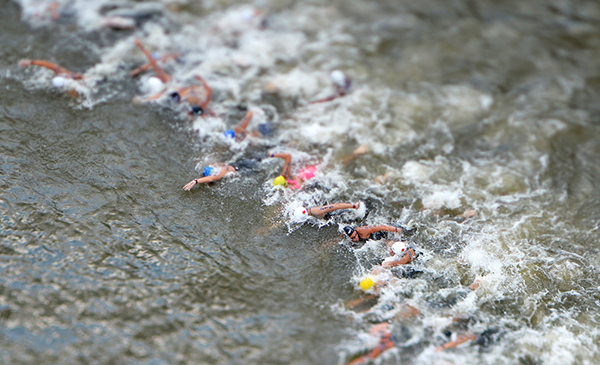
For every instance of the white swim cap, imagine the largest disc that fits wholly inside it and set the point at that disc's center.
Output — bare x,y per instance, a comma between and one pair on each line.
59,81
338,78
399,248
300,213
154,84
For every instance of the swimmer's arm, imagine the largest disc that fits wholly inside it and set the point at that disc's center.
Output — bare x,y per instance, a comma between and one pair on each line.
366,231
360,301
407,312
52,66
208,92
160,73
148,65
139,70
54,10
380,330
187,94
460,339
154,97
359,360
287,166
360,150
208,179
324,100
321,211
241,127
383,346
388,228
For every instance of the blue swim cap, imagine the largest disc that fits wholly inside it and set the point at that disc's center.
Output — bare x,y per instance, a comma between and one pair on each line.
208,171
265,129
230,133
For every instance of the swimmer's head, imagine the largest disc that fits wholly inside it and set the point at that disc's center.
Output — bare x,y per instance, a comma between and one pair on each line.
175,96
230,133
208,171
300,213
367,283
351,232
398,248
196,110
280,181
154,84
58,81
340,79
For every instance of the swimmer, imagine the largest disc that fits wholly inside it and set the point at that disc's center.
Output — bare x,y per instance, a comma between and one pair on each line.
210,174
293,182
484,339
198,98
58,70
375,232
402,254
302,213
386,342
62,74
160,73
342,83
239,132
371,286
198,101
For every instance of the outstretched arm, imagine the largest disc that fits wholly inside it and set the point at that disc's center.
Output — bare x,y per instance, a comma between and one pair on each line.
160,73
208,179
329,98
384,345
459,340
321,211
52,66
148,65
366,231
241,127
356,302
360,150
287,166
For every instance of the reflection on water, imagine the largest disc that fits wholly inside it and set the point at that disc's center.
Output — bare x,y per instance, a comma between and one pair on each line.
463,106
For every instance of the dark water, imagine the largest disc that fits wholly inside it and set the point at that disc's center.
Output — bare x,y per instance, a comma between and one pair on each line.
484,105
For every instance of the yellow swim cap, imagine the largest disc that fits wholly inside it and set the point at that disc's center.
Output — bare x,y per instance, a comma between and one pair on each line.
280,180
366,284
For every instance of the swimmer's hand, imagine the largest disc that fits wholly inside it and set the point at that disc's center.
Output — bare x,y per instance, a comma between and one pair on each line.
356,205
189,185
25,63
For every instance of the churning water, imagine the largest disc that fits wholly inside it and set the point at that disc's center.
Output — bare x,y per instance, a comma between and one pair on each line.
484,105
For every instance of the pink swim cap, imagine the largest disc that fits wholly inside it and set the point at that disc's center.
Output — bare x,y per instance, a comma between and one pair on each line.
307,173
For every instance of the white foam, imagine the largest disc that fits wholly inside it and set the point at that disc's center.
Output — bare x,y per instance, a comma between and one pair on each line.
442,199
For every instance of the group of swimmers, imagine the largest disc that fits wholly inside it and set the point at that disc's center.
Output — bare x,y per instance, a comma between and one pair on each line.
197,98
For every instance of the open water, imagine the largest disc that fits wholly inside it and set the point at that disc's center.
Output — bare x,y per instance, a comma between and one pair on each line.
484,105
